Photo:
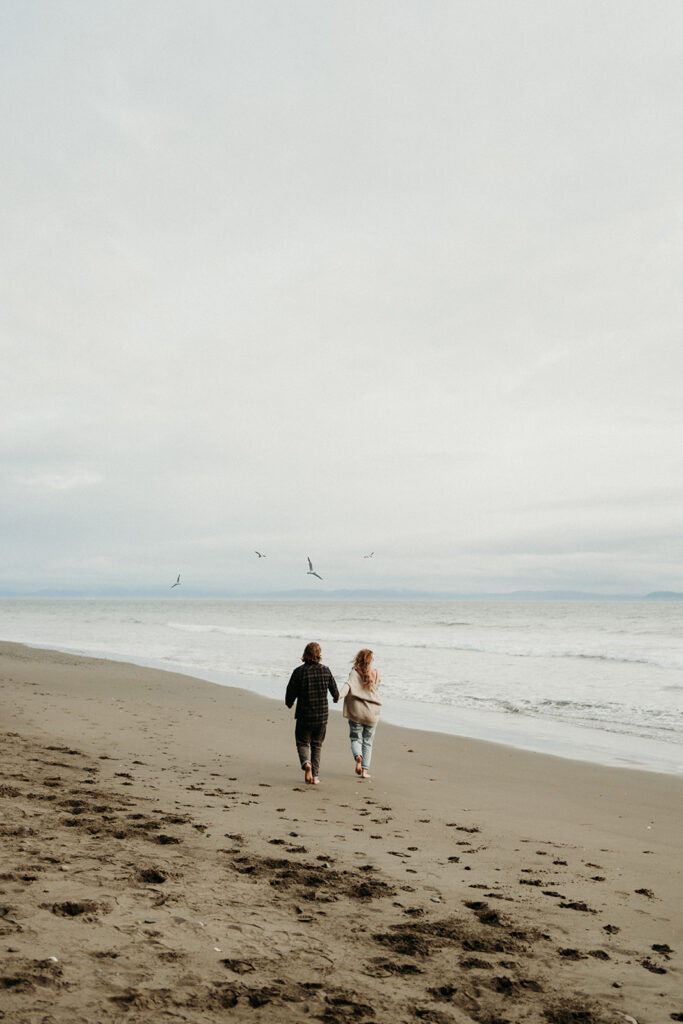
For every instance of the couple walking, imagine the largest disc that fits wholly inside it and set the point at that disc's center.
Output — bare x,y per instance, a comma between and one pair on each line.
309,686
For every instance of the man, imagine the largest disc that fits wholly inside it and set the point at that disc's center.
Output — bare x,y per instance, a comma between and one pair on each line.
309,685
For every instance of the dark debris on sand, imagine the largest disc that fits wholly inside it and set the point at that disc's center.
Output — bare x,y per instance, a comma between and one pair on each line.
312,881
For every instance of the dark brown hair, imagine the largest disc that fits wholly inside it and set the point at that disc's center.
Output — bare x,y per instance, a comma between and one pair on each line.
361,664
311,653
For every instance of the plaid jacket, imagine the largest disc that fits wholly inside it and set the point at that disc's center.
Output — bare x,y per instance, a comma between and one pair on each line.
308,686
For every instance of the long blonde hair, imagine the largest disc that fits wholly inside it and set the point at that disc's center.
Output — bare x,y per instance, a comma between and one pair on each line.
362,663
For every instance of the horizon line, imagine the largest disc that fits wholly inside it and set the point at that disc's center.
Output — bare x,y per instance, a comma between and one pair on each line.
387,593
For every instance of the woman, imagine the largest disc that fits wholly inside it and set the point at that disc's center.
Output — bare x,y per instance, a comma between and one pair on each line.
361,708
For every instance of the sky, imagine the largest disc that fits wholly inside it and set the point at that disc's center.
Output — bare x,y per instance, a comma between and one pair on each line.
329,277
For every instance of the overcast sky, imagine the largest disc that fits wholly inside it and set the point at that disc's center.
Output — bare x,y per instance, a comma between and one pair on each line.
327,277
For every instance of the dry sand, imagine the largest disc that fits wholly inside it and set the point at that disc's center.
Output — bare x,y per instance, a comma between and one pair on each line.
163,860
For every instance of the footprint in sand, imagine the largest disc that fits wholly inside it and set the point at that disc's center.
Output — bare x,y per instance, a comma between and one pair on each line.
89,910
652,967
151,876
381,968
578,905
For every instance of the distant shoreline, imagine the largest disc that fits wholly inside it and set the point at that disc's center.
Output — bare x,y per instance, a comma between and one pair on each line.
189,594
519,733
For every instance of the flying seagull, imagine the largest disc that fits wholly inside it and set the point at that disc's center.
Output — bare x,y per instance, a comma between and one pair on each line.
176,584
259,554
310,569
370,555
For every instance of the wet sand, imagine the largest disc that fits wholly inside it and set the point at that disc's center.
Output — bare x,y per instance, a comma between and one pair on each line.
163,859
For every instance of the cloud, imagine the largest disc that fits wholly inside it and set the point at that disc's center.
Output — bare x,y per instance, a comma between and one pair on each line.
63,481
350,277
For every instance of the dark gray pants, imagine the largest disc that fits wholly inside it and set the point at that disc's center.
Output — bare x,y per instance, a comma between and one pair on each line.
309,740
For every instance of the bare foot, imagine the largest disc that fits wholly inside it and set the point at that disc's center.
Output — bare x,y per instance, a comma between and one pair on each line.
359,764
316,781
308,776
365,774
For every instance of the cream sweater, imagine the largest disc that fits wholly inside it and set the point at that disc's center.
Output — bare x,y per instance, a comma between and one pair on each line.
361,703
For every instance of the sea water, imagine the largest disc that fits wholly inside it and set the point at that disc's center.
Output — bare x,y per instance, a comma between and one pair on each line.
599,681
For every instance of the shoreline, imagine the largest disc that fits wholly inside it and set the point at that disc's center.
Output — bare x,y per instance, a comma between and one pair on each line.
190,872
544,736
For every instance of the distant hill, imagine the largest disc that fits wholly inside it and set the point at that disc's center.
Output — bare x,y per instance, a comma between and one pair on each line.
317,593
428,595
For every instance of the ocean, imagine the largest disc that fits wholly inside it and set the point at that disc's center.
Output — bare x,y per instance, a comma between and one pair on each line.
598,681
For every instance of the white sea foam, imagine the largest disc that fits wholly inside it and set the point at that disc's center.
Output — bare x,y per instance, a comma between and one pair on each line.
605,669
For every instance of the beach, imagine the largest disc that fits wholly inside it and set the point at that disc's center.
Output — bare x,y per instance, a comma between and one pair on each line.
162,858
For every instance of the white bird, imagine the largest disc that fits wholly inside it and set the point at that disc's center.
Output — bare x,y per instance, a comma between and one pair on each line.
259,554
371,555
310,569
176,584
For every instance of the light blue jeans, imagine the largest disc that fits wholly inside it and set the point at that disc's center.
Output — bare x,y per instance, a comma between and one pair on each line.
361,737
